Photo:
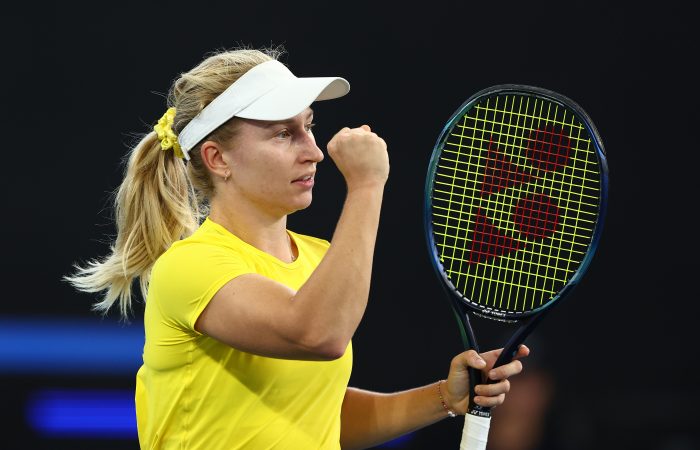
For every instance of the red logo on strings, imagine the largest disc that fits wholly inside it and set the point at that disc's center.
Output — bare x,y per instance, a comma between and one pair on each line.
535,216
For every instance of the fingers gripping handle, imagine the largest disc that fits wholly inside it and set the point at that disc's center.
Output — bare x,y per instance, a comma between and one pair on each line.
476,432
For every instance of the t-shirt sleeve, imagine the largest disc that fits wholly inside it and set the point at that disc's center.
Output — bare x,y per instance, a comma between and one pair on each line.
186,278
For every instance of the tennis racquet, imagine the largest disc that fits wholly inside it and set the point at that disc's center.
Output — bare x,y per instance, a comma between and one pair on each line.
515,198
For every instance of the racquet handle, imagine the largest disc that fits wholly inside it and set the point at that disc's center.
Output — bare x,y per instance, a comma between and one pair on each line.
476,432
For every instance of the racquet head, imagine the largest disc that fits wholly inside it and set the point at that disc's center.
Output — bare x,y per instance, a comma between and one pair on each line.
515,199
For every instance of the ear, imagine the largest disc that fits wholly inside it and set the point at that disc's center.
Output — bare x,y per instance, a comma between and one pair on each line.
213,157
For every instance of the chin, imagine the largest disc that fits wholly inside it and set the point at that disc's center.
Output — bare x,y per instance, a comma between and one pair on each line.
303,203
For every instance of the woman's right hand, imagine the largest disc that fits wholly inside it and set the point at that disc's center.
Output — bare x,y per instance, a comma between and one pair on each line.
361,157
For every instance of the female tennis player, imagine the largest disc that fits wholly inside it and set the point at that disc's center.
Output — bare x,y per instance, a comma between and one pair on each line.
248,325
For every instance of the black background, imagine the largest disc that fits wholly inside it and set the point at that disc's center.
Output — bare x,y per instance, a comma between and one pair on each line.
79,80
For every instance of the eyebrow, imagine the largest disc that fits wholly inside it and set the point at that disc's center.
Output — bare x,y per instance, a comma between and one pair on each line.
280,122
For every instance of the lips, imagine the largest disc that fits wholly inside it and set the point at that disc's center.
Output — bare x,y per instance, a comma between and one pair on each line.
304,178
305,182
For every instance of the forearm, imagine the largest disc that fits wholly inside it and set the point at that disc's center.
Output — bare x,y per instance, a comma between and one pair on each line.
370,418
334,298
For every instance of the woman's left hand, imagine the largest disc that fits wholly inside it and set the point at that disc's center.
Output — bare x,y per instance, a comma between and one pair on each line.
456,389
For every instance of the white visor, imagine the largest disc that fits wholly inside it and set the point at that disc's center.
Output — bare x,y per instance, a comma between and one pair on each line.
268,91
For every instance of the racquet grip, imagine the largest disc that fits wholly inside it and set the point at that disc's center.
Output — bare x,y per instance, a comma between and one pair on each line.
476,432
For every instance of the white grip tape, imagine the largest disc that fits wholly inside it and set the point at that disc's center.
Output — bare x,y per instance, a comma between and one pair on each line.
476,432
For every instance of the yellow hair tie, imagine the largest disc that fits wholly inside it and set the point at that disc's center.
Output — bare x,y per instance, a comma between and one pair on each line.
165,132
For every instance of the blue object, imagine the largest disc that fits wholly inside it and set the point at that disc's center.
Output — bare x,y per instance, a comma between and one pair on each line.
69,346
399,442
82,413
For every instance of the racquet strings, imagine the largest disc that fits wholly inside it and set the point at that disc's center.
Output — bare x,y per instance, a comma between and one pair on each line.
514,201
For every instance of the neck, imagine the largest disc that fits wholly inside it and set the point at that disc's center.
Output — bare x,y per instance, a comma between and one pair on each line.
261,229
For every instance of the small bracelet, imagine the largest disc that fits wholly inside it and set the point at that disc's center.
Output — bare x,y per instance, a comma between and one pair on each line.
442,400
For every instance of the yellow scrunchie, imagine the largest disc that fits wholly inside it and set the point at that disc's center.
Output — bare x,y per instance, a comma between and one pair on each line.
167,137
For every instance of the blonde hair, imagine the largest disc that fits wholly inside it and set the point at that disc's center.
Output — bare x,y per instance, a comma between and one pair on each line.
162,199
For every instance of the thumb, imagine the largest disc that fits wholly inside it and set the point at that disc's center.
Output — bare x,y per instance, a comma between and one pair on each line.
470,358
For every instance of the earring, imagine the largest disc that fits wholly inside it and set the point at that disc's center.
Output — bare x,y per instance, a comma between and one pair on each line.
228,174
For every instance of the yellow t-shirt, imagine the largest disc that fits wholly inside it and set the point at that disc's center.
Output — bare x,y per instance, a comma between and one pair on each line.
196,393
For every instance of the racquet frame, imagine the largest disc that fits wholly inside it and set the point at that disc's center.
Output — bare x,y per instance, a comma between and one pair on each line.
460,306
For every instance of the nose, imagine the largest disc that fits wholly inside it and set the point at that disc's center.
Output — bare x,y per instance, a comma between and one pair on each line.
309,150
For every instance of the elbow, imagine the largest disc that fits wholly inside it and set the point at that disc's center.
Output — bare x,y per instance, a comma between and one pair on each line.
327,349
333,351
321,338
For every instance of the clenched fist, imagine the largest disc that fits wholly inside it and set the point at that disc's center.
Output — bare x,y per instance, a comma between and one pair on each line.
361,157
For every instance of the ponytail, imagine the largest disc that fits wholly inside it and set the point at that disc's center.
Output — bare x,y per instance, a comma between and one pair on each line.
162,200
155,206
